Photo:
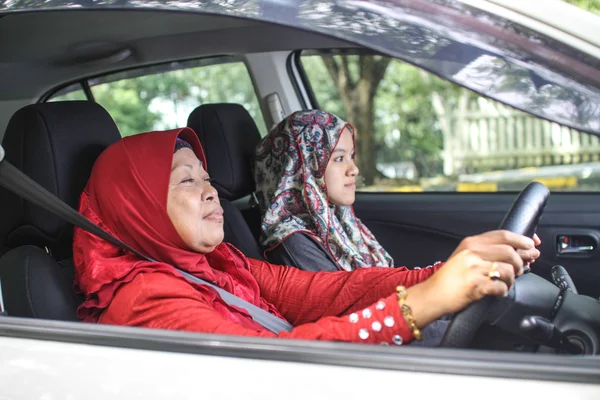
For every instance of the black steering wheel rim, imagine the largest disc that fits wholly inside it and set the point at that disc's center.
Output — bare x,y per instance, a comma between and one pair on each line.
522,218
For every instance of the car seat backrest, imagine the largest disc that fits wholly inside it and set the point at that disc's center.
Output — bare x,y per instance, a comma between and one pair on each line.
55,144
229,137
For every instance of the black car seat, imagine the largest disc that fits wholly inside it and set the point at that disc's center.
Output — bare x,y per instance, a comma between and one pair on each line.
229,137
56,144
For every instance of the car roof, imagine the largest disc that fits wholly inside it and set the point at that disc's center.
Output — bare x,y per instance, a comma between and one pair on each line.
557,14
56,47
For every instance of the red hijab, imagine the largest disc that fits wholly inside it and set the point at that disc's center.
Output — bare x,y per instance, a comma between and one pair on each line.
127,196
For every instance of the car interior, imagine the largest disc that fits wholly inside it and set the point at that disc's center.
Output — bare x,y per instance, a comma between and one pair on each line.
56,144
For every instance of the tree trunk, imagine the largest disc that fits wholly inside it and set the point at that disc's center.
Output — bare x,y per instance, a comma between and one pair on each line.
364,122
358,97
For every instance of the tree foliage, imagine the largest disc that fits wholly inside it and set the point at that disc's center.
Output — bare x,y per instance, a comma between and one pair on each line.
394,115
164,100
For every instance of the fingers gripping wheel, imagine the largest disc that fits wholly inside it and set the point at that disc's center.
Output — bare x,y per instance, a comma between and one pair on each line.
522,218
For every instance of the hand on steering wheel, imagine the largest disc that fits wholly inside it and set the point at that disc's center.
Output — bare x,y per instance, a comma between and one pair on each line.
473,243
522,219
481,265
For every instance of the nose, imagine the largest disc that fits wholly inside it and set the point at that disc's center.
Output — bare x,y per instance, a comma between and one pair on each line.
209,193
352,169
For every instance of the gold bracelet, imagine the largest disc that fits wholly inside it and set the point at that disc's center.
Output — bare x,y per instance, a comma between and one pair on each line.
407,312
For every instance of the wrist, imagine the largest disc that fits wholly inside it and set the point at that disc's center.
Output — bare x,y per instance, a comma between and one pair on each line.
426,304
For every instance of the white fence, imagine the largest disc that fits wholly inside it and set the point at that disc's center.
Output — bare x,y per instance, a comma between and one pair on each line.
482,135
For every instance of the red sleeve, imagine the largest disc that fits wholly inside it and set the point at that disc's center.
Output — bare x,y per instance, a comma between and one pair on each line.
304,296
162,301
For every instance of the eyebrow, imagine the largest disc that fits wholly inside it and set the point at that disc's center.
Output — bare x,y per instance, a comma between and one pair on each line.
341,150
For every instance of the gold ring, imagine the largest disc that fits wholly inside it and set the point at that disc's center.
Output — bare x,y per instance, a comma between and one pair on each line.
494,273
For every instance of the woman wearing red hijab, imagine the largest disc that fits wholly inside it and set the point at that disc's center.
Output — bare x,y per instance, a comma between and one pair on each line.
151,191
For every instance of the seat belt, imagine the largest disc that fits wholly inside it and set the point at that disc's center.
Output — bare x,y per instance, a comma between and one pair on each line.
20,184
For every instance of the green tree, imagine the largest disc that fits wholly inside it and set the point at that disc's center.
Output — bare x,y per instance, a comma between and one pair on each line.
129,110
408,125
164,100
347,87
589,5
396,119
357,79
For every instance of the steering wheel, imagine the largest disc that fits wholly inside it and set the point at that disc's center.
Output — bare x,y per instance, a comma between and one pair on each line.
522,218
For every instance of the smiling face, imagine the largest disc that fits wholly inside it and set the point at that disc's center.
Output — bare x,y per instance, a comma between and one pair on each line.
341,172
193,204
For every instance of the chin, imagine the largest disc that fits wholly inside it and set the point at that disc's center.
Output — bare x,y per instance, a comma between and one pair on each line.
209,246
210,241
342,197
349,201
217,239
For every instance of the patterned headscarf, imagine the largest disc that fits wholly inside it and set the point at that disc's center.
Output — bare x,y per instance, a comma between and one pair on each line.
290,181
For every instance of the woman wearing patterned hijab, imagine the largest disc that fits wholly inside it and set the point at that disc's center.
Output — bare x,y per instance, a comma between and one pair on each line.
306,180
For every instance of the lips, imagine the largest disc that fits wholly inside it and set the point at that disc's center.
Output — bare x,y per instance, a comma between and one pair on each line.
215,215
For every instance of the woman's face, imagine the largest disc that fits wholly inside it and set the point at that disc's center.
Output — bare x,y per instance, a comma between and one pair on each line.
193,204
341,172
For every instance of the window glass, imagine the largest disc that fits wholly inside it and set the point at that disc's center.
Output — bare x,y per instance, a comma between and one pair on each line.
417,132
162,97
69,93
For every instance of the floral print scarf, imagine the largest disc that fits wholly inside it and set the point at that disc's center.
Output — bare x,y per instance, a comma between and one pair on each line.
292,195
